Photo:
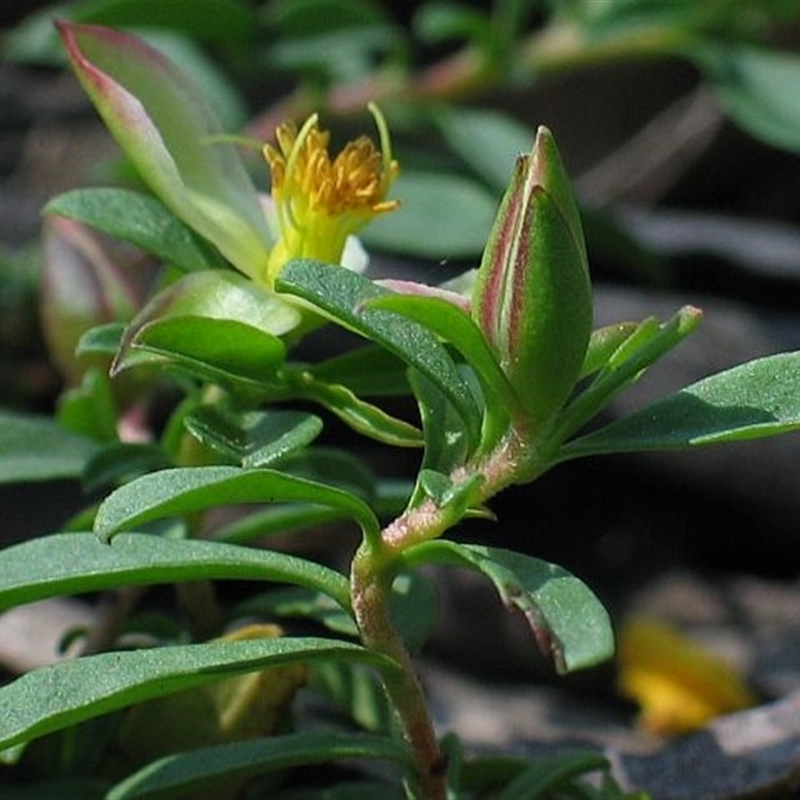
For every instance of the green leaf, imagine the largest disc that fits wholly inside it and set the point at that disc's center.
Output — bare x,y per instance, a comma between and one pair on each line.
603,343
215,322
139,219
174,492
649,342
446,440
413,606
225,295
489,141
177,775
102,339
365,371
462,209
69,692
278,520
74,563
298,602
121,461
344,295
361,416
750,401
253,438
37,449
333,466
542,778
759,88
457,327
356,692
170,133
569,622
216,349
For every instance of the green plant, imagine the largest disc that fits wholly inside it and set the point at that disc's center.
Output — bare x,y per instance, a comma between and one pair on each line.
506,375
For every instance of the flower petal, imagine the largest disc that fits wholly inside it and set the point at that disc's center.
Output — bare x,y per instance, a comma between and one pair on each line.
165,127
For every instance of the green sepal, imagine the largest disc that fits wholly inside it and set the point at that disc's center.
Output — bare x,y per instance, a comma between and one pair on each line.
167,129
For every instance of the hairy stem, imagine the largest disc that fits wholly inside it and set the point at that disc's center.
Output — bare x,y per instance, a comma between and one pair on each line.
371,589
374,569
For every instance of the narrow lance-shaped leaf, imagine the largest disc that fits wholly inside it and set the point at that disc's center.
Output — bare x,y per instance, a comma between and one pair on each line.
750,401
167,130
569,622
604,342
139,219
361,416
180,774
174,492
70,692
73,563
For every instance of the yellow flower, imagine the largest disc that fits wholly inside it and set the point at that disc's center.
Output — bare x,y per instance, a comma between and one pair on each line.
320,201
677,683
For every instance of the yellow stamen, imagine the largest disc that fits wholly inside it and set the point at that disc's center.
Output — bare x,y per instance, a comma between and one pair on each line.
321,201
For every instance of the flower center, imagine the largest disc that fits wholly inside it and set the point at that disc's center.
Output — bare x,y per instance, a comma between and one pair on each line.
320,201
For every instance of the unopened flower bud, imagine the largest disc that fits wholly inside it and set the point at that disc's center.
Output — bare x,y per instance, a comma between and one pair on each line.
532,297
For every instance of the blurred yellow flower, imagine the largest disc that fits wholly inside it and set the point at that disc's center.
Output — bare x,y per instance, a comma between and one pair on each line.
678,684
320,201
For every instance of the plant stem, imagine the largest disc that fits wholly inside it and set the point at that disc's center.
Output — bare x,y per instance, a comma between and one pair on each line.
374,569
375,566
371,583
